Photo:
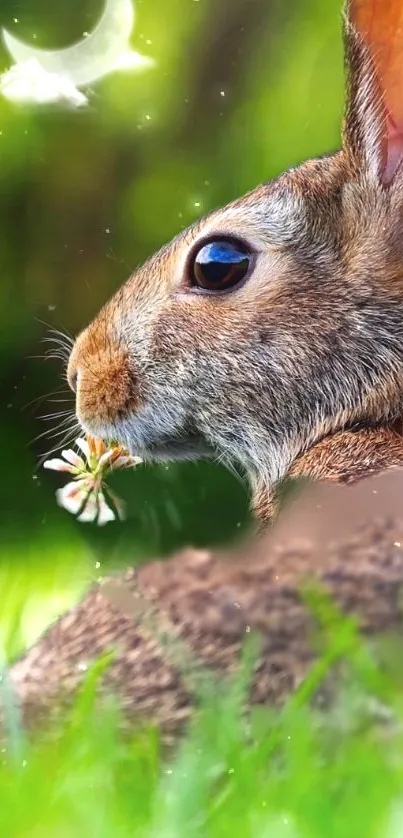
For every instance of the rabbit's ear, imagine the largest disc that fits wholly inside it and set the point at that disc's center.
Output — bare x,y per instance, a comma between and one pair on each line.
373,129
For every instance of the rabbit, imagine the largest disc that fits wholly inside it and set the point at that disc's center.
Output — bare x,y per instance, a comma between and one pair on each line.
269,334
170,622
277,321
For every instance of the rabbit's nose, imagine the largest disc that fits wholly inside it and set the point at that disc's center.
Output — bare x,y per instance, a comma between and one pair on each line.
102,375
72,378
72,372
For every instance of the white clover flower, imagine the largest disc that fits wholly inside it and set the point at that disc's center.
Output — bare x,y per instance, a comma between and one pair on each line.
84,496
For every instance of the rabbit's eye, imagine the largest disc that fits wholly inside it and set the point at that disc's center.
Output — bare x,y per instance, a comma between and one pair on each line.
220,265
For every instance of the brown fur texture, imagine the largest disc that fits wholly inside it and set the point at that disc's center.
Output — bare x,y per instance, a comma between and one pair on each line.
310,344
343,457
351,455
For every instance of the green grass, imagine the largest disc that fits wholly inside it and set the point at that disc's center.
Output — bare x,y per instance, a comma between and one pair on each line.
304,770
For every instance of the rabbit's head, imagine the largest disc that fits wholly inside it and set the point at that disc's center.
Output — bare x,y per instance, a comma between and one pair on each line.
278,320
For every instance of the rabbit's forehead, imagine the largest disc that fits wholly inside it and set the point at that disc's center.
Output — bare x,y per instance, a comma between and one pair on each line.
265,215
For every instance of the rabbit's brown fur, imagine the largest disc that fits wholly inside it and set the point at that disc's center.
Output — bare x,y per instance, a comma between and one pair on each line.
310,344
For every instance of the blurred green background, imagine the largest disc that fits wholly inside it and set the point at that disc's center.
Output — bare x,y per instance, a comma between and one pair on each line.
241,90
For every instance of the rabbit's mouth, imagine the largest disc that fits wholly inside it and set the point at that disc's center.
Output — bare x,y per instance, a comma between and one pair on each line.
154,446
177,449
157,434
157,444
